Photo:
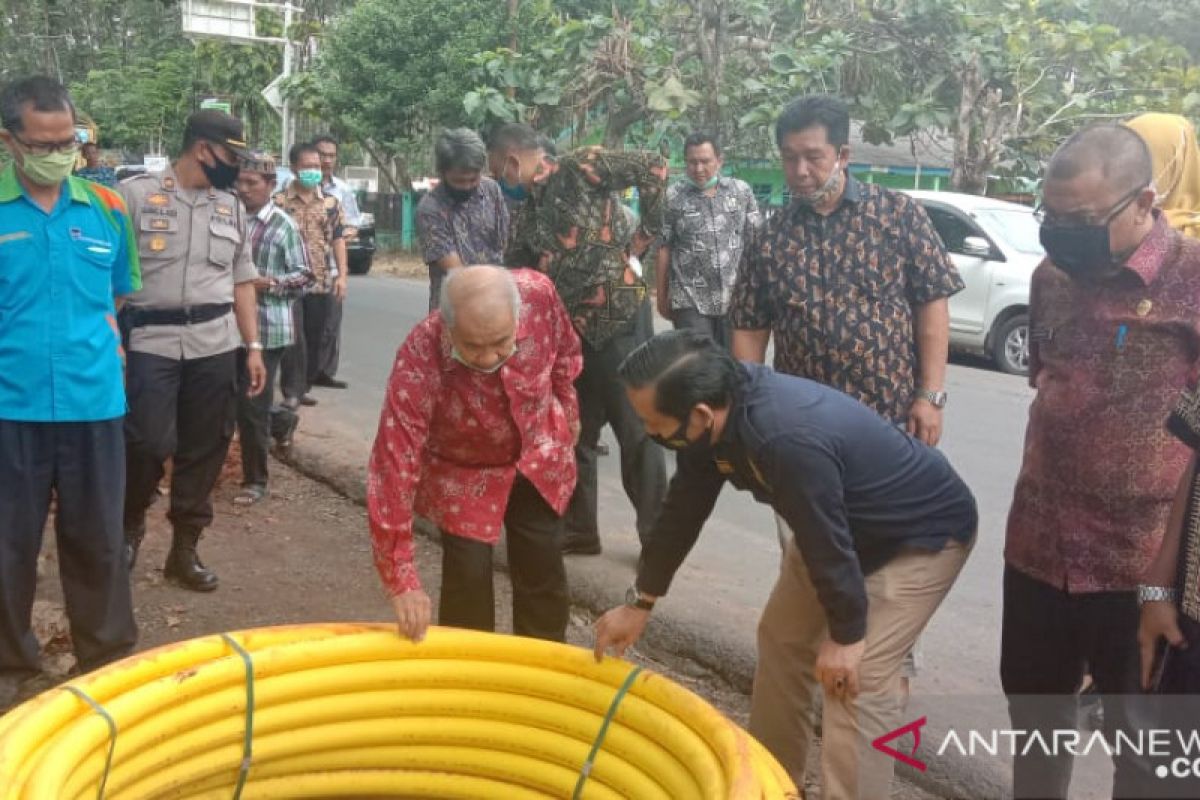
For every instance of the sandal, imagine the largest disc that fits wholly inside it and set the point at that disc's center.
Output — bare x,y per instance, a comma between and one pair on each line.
249,495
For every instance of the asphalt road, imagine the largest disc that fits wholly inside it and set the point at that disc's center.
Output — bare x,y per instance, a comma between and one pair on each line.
717,595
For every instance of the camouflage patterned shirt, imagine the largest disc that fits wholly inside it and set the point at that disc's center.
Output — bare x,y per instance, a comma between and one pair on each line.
572,229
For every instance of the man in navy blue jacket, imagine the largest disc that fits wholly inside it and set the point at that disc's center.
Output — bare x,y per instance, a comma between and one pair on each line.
882,523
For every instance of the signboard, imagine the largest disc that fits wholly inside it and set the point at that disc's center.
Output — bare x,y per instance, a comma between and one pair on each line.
219,19
216,105
155,163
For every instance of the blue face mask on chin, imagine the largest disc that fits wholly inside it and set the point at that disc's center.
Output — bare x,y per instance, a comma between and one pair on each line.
517,192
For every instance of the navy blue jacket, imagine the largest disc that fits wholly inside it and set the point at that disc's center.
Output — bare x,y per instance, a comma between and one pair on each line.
854,488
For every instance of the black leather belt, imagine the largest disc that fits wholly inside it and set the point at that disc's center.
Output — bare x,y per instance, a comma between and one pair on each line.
191,315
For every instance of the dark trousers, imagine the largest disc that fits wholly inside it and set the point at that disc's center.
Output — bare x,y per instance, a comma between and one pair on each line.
302,362
535,563
1047,638
643,463
329,353
718,328
82,465
183,409
257,420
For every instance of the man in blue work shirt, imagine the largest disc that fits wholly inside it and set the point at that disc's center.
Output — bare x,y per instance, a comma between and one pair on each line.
882,527
65,253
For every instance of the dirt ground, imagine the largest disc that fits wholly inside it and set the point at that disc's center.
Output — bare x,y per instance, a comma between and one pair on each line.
399,264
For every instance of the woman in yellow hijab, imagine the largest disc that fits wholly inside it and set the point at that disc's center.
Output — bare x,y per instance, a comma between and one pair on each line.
1172,141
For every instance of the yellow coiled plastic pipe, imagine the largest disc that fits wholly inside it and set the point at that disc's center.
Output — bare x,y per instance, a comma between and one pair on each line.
348,711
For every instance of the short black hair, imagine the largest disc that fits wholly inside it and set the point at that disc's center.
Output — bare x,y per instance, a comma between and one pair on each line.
299,149
685,368
830,112
44,94
1120,154
697,138
325,138
513,136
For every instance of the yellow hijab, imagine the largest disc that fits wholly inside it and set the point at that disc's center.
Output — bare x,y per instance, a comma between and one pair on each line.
1172,141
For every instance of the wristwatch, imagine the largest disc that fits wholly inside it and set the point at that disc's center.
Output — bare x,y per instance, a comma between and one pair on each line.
255,346
1155,594
638,600
935,399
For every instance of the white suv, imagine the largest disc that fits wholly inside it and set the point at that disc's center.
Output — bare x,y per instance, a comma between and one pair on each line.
995,246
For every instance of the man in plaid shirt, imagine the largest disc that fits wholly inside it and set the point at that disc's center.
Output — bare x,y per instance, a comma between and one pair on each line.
283,275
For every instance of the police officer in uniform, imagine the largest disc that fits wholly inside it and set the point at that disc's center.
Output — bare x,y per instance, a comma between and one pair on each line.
196,308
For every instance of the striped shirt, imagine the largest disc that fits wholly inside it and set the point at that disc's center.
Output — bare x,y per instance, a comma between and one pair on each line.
279,254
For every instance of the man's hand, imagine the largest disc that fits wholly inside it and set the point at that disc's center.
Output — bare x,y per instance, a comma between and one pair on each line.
639,243
576,428
1160,620
618,630
339,288
925,422
837,668
264,284
413,611
258,373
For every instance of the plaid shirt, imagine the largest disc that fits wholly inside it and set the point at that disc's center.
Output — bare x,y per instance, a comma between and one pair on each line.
279,254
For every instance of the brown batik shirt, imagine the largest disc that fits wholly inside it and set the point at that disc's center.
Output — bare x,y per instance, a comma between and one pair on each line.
839,292
321,223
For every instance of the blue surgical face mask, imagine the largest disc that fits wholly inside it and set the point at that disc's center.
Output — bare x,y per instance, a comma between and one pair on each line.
518,192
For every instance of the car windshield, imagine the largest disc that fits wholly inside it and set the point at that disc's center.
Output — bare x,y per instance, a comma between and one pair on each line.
1018,228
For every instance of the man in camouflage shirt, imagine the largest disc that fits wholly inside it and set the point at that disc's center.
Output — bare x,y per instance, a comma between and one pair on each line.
573,228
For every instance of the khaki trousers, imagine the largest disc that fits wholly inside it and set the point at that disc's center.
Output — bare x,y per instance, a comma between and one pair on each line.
902,597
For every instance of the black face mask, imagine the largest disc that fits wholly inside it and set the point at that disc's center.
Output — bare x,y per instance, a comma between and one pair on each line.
221,176
1081,251
1084,252
461,195
679,442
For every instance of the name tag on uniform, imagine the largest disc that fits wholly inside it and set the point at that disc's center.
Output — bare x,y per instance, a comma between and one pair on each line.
1041,334
159,199
15,237
160,224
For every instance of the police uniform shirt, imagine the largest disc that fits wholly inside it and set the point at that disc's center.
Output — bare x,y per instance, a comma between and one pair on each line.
194,248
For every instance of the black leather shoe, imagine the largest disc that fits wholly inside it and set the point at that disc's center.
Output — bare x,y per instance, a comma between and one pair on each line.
580,545
331,383
184,567
308,401
134,534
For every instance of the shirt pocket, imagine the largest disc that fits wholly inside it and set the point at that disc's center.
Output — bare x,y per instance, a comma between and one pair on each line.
94,258
158,239
223,241
16,252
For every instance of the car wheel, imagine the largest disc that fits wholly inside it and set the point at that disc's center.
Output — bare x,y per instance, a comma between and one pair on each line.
360,265
1010,345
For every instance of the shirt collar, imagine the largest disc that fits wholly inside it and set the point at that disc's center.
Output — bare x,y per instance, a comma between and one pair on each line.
1146,262
292,192
11,188
266,212
722,183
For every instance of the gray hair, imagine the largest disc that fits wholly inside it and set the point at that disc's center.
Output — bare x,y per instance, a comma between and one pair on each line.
459,148
447,307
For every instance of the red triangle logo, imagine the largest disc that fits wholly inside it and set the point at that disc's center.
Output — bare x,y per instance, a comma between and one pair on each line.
881,744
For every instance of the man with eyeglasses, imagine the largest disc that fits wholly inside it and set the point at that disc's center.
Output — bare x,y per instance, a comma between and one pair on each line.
1114,339
479,423
198,307
66,259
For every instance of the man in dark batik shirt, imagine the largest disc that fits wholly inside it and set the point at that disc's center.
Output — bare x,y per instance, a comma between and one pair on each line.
464,220
572,227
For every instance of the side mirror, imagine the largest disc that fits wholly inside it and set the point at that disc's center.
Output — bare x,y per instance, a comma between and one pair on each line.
976,246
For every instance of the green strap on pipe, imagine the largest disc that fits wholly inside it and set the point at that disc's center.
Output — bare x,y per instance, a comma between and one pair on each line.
112,734
248,739
586,771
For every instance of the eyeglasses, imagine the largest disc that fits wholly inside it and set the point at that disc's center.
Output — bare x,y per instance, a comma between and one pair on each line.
46,148
1048,219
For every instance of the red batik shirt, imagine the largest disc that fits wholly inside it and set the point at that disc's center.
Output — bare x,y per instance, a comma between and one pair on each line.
451,439
1100,469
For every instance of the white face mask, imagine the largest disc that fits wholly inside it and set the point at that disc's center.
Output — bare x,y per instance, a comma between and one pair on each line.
457,356
831,186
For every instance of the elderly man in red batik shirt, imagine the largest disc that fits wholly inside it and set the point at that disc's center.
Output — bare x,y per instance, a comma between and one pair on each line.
1114,339
478,430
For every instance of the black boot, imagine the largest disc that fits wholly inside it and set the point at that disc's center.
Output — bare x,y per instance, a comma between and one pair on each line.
183,564
134,533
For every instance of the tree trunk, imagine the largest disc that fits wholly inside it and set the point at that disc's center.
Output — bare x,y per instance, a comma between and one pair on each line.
964,176
619,122
396,184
